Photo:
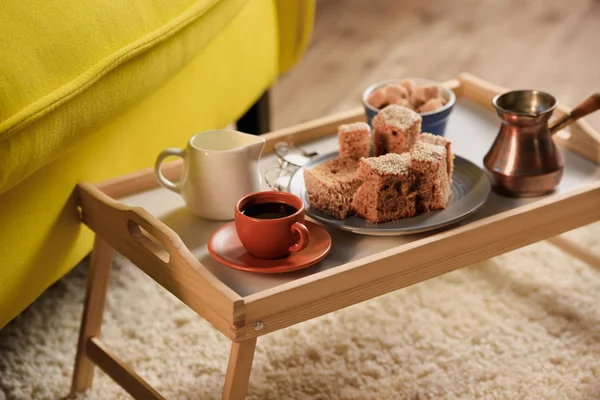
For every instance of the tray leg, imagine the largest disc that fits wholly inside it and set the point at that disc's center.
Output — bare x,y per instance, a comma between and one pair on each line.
238,370
576,251
95,297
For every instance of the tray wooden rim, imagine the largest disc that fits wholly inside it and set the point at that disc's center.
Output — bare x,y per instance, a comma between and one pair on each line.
173,266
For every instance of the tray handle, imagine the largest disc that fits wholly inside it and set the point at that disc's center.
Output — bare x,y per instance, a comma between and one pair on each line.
154,248
150,242
135,229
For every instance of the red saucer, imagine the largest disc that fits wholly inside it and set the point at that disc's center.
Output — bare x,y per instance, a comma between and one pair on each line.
226,248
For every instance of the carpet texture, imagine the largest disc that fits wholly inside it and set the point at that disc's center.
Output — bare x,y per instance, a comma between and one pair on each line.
525,325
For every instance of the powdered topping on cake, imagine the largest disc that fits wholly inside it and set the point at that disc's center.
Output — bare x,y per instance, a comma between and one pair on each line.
441,141
399,116
423,151
389,164
434,139
355,126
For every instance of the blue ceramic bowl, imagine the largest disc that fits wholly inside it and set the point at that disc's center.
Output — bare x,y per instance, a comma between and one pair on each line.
433,121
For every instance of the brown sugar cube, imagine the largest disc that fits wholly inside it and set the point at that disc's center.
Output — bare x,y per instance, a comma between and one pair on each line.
428,162
388,192
354,140
377,98
410,85
424,93
403,103
331,186
440,141
395,93
431,105
395,129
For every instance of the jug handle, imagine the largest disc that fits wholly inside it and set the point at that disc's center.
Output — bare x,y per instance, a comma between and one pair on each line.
159,175
588,106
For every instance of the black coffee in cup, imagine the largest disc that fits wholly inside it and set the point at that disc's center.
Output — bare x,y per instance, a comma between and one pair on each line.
270,210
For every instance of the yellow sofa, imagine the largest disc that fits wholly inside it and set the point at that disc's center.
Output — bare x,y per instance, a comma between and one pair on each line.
90,90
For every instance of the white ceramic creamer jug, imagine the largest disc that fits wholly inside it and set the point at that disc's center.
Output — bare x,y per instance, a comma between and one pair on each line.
219,168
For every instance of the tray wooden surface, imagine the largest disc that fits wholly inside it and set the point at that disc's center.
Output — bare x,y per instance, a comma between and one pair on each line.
155,230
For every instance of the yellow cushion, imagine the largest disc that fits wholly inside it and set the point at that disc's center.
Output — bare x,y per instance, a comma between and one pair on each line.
75,64
40,235
295,30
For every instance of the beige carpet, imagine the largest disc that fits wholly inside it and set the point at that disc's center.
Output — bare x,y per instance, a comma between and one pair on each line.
525,325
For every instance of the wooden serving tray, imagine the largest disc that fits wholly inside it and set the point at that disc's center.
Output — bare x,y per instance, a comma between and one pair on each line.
153,228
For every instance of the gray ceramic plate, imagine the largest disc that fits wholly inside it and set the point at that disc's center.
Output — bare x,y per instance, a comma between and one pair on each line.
470,189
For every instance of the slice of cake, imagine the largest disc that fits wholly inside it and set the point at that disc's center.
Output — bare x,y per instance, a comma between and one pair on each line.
388,192
354,140
441,141
332,185
395,130
428,162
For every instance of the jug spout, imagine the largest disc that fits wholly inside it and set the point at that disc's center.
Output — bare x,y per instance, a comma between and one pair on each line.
250,145
255,148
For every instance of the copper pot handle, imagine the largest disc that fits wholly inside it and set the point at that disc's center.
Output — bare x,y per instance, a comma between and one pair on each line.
588,106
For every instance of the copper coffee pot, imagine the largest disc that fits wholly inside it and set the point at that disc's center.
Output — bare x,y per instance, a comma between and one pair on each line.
524,161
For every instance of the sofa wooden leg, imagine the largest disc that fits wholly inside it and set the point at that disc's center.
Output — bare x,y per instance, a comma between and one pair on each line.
238,370
95,298
257,119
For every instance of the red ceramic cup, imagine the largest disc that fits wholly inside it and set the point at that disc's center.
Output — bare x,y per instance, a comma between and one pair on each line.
271,238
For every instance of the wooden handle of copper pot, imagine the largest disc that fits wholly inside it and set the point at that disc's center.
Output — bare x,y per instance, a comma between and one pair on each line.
588,106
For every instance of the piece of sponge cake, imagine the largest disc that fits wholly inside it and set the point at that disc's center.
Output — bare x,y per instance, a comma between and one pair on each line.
441,141
395,130
332,185
354,140
428,162
388,192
